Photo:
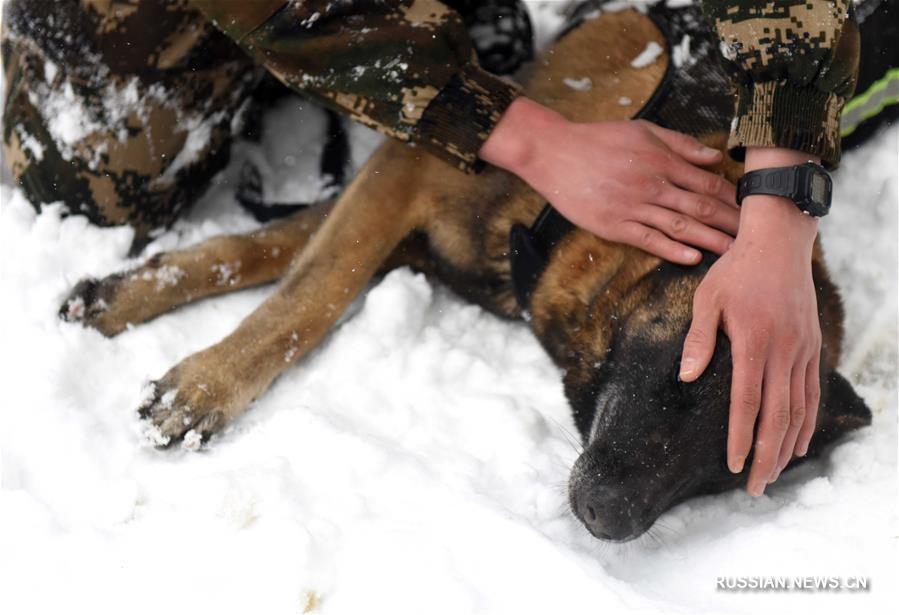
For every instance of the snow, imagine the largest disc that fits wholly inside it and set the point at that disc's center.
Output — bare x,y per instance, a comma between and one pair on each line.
647,56
167,275
31,144
289,168
226,274
416,462
199,132
192,440
680,53
50,71
67,121
584,84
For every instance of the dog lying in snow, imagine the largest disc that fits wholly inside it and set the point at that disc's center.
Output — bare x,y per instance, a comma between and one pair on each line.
611,316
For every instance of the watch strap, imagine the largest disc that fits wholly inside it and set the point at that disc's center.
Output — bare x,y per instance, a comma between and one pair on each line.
780,181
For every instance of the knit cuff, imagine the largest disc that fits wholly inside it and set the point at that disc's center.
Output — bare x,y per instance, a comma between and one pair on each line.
778,114
462,115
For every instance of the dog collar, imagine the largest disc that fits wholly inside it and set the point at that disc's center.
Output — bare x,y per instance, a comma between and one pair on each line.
530,249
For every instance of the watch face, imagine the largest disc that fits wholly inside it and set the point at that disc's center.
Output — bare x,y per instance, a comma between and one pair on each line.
819,189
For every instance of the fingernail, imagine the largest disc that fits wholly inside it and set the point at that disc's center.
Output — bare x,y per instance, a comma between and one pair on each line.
775,476
757,488
710,151
692,255
687,367
802,450
736,466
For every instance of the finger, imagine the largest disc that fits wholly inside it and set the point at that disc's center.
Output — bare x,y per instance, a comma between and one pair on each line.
685,229
774,420
706,209
699,345
700,181
745,401
812,399
657,243
685,145
797,417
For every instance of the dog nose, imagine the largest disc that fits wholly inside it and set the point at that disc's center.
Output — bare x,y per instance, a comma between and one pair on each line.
590,518
606,511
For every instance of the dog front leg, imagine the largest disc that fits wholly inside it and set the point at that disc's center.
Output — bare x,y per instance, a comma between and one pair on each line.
206,390
171,279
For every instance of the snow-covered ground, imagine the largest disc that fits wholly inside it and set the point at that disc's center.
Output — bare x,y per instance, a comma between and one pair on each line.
415,463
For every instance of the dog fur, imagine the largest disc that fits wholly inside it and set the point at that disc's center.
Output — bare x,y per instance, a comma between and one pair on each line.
612,316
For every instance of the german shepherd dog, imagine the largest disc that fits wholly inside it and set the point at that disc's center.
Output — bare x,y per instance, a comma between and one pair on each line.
611,316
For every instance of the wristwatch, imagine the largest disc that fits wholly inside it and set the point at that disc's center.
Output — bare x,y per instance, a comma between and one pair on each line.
808,185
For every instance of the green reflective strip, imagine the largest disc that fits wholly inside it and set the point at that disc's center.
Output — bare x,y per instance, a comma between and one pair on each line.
882,93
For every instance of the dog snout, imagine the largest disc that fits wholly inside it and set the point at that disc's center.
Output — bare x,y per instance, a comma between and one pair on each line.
608,512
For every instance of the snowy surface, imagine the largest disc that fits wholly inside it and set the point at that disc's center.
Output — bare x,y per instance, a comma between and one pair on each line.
415,463
647,56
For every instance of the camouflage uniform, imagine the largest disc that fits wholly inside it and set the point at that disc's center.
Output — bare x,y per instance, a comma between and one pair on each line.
794,64
123,109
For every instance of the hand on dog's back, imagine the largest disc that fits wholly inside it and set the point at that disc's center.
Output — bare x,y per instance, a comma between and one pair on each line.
626,181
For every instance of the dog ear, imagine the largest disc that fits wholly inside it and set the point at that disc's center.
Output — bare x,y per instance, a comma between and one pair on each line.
842,410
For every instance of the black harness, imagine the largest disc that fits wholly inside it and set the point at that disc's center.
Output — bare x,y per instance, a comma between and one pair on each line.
530,249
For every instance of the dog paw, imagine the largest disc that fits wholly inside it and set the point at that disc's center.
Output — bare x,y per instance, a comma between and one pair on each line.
170,415
89,303
84,303
196,398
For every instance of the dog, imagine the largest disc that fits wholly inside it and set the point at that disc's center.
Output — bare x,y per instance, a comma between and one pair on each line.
611,316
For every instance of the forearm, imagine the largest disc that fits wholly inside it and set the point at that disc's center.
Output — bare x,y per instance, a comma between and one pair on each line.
408,74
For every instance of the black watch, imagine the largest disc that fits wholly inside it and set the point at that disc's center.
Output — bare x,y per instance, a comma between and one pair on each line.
808,185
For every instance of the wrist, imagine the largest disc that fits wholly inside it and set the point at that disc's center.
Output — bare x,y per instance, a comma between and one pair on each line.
515,140
773,220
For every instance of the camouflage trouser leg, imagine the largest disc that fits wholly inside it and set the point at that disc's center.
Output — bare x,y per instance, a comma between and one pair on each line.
121,109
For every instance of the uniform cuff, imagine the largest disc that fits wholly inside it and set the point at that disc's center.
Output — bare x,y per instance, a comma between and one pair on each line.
777,114
462,115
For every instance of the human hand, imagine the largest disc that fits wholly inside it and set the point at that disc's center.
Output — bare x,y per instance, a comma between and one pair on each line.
627,181
762,294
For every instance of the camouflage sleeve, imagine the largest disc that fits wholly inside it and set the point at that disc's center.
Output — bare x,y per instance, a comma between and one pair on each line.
794,64
404,67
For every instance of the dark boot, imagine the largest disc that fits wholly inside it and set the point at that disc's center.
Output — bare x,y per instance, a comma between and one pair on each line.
500,30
